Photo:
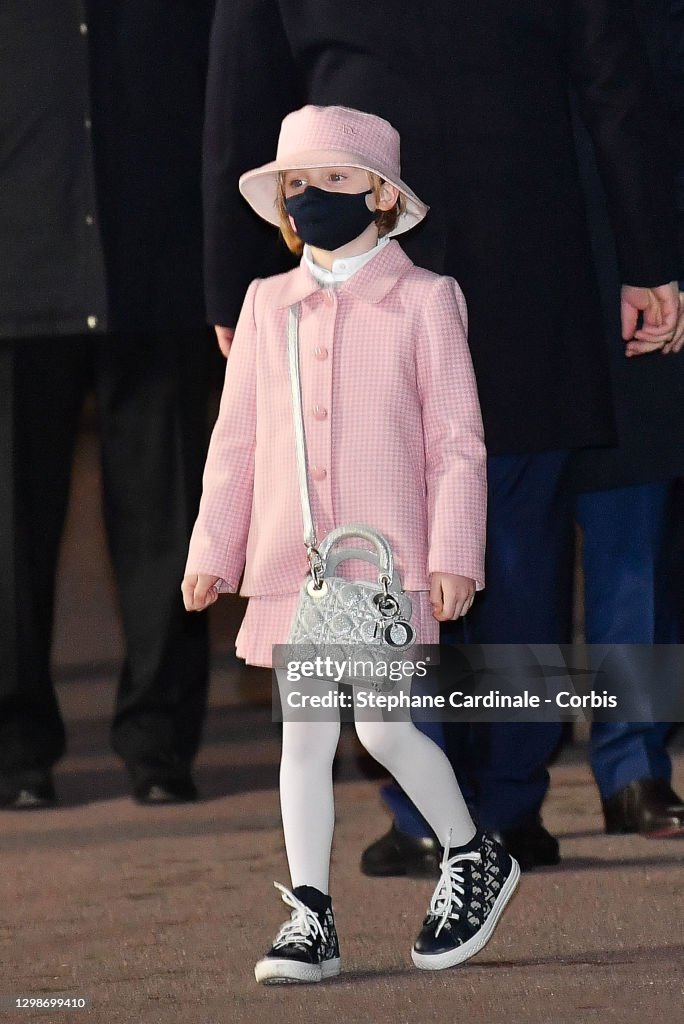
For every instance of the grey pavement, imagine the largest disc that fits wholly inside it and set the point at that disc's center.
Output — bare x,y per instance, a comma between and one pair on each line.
157,915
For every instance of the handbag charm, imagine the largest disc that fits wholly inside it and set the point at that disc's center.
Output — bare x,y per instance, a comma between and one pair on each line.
333,609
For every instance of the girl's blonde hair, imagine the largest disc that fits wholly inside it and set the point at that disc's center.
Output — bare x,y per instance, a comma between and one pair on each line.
385,220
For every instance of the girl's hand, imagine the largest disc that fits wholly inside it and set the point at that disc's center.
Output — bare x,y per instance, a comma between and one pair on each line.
450,596
199,591
224,336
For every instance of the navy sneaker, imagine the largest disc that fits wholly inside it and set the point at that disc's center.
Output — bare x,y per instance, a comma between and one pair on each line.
306,947
476,883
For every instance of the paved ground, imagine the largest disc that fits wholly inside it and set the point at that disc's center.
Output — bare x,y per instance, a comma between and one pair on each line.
157,916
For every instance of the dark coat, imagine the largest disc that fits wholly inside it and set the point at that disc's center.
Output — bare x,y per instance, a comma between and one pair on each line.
52,278
648,391
480,96
100,150
148,73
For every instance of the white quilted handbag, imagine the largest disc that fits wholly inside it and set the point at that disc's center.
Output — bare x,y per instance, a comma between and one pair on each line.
331,608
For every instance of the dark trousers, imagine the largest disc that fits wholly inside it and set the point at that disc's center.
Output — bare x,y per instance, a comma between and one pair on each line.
630,597
502,767
151,395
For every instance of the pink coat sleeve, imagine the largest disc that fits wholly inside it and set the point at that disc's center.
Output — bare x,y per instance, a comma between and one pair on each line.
219,537
456,470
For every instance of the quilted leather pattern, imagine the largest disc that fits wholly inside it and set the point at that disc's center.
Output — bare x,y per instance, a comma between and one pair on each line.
345,612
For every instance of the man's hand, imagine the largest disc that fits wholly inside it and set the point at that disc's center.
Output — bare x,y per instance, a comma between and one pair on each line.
225,338
199,591
678,338
450,596
659,307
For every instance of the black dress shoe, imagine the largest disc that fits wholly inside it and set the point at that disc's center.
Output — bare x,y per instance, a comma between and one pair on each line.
530,844
648,806
27,791
399,854
177,790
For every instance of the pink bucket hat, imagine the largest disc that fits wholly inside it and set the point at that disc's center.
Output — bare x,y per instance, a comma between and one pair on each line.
332,137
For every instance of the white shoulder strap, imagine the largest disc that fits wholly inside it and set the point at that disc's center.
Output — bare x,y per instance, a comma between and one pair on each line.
298,419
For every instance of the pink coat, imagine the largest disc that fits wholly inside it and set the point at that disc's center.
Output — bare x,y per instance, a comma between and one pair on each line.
393,429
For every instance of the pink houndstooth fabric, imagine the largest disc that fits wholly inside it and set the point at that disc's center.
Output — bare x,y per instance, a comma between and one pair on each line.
313,129
393,430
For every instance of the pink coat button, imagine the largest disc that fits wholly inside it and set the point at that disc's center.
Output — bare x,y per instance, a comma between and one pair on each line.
318,473
320,412
321,352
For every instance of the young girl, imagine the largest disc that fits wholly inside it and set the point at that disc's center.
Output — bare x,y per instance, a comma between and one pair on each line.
394,440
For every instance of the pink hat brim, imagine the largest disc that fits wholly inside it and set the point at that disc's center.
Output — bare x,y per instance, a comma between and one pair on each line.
260,186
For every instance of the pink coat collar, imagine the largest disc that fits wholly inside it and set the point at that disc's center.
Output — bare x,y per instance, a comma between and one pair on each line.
370,284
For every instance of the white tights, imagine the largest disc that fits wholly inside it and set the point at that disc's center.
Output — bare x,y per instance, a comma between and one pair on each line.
306,792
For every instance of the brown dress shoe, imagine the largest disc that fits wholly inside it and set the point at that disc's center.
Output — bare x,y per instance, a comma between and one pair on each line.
648,806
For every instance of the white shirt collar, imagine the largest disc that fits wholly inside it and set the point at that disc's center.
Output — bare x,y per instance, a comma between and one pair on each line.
342,268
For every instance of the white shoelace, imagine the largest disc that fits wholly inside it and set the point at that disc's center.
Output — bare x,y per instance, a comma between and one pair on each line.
450,886
303,926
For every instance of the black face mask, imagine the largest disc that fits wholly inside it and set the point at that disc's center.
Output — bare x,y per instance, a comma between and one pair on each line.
329,220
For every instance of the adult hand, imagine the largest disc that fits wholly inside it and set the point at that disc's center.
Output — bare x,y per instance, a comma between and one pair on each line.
450,596
678,338
199,591
225,338
659,307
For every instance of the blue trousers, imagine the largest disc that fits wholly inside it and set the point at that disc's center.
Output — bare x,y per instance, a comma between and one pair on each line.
630,598
502,767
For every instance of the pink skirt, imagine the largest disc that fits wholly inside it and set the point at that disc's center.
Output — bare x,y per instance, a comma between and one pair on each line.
267,622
